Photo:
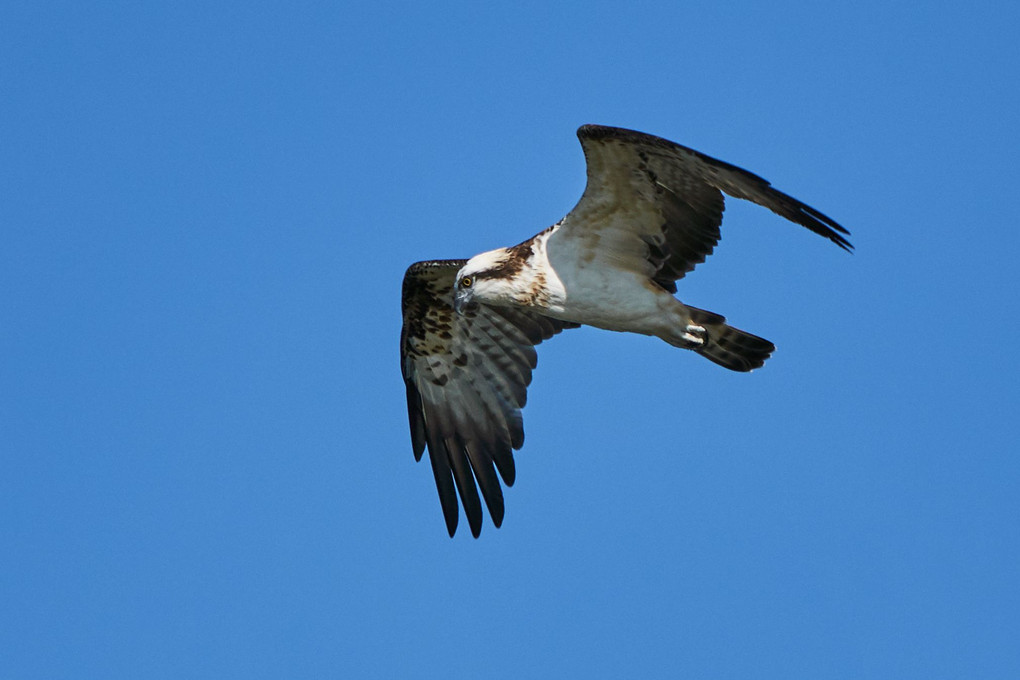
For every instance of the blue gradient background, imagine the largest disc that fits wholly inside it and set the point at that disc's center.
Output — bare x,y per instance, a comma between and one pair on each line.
206,210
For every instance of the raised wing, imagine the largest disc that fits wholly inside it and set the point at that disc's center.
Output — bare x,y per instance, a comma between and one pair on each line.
655,206
467,377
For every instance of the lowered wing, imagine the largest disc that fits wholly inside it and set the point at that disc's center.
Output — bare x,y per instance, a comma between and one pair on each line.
466,377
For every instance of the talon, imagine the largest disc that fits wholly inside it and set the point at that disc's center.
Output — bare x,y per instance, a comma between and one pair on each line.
694,334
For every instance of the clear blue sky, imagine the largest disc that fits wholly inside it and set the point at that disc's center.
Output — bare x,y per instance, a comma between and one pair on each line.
206,210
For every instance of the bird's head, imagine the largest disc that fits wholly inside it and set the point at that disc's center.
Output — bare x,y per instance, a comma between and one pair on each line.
484,279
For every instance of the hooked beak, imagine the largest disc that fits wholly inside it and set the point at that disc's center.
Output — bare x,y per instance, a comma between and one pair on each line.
463,301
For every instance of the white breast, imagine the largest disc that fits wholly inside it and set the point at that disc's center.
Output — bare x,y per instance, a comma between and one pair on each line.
590,290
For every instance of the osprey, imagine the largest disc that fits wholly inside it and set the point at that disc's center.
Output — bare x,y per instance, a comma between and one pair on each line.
650,212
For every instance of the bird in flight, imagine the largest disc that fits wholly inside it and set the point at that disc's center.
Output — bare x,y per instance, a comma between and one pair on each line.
649,214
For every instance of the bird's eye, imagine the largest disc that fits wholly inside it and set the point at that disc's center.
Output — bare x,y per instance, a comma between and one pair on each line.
466,281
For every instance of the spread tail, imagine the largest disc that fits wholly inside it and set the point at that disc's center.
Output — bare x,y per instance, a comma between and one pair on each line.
727,346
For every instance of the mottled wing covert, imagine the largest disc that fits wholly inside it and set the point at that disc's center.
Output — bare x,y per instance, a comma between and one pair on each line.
656,206
466,377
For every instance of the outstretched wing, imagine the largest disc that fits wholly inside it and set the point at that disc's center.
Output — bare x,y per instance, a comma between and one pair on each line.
655,207
467,377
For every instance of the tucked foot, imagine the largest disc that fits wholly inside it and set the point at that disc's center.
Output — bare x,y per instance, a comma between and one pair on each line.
694,335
